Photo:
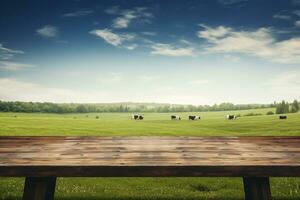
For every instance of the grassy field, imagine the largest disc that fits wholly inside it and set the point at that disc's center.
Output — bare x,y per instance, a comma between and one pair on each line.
119,124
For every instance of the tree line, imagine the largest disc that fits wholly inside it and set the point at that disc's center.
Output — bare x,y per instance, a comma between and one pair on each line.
35,107
285,107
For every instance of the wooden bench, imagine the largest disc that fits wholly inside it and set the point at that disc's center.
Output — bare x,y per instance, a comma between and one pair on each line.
42,159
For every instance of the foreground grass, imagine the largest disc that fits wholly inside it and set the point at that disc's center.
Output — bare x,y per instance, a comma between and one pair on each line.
212,123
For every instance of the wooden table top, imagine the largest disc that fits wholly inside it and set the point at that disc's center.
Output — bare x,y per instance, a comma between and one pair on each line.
150,156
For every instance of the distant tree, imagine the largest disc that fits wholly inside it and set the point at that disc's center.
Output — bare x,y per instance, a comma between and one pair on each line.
282,107
295,106
81,109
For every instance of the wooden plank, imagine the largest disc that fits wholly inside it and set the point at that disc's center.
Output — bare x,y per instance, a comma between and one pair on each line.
257,188
173,156
39,188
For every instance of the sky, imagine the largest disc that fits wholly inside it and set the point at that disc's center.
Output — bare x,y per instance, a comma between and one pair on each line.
171,51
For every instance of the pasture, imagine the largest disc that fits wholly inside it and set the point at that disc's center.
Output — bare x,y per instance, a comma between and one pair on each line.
159,124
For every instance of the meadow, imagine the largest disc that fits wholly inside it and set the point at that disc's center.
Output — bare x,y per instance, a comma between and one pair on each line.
159,124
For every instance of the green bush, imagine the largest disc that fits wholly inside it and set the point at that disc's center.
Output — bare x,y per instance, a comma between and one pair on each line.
270,113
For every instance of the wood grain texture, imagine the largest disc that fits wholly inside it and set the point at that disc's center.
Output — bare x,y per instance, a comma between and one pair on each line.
150,156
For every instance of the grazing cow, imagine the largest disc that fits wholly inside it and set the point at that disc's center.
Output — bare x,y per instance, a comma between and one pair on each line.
282,117
231,117
137,117
175,117
194,117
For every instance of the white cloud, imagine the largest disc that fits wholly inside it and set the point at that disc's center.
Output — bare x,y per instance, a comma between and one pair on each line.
284,17
112,38
131,46
13,66
127,16
48,31
7,54
198,82
260,43
78,13
229,2
121,22
297,24
170,50
213,34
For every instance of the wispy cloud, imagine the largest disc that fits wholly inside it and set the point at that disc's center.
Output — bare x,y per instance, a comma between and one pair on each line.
230,2
149,33
126,17
112,38
131,46
7,53
78,13
280,16
171,50
48,31
260,42
13,66
297,24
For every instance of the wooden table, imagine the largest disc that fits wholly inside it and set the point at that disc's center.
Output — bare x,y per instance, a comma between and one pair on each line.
42,159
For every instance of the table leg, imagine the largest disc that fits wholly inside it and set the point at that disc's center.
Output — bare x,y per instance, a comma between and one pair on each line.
39,188
257,188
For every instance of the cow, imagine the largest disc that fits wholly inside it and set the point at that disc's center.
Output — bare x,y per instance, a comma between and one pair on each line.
137,117
282,117
175,117
231,117
194,117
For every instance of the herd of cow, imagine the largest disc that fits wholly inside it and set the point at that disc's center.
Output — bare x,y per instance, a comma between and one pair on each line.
194,117
176,117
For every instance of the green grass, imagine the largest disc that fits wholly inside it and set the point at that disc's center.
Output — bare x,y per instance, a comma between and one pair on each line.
119,124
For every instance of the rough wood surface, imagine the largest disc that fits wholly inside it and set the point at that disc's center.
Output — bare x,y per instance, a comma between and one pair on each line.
150,156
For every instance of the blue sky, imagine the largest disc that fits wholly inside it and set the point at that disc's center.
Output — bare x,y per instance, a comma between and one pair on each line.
189,52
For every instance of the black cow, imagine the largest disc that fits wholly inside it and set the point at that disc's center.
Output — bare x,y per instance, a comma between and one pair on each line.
137,117
230,117
194,117
282,117
175,117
